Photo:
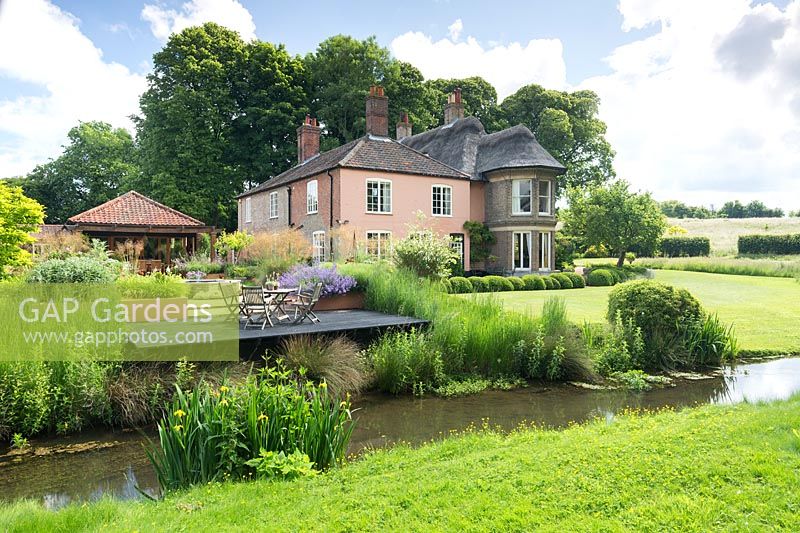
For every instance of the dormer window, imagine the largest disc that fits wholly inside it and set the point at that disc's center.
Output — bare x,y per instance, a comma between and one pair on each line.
521,196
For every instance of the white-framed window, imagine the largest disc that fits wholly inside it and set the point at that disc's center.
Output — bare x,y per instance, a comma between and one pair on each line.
545,250
442,201
457,243
248,210
379,243
544,197
379,196
318,246
273,204
521,196
522,250
312,200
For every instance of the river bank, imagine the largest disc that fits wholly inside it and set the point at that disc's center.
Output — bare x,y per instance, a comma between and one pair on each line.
93,465
717,467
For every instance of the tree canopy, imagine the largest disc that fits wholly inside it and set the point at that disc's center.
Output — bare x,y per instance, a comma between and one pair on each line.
566,124
97,164
613,216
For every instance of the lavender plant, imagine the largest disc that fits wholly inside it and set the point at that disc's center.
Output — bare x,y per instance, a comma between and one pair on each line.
332,281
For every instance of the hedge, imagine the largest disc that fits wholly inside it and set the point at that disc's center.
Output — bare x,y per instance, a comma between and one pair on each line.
518,284
769,244
533,282
563,281
600,278
498,284
460,285
577,280
685,246
478,284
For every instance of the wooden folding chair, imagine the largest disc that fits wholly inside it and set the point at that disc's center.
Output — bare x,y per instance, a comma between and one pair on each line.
255,304
304,304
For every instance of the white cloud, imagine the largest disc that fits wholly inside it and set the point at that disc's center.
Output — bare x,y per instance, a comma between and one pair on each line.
455,30
708,108
73,83
228,13
507,67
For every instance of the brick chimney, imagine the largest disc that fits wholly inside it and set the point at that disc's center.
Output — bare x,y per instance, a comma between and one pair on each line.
454,109
308,139
403,127
377,112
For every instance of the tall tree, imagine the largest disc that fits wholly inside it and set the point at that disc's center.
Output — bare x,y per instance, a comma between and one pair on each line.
409,93
271,98
480,100
614,217
97,164
19,217
566,124
341,71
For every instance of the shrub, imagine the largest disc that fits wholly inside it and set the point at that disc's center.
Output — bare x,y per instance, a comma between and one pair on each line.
685,246
577,280
548,283
425,252
152,286
233,243
75,269
478,284
769,244
533,282
622,349
198,263
213,435
556,283
662,313
336,361
518,284
498,284
460,285
446,286
563,281
402,360
600,278
304,276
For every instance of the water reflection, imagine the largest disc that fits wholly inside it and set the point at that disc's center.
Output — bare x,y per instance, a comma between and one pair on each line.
60,479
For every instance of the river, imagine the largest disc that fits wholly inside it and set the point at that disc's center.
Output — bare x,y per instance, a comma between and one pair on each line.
90,465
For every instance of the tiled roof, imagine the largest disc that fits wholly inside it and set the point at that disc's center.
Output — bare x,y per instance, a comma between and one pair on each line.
134,209
368,152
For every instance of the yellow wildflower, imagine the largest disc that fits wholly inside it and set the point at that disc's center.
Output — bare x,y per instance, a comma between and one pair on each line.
323,385
178,427
262,416
224,402
223,389
180,413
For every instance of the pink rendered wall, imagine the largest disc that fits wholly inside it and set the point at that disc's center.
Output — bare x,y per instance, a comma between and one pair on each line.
477,201
410,193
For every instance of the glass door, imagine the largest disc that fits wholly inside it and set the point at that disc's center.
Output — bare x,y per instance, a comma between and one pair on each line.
545,244
522,250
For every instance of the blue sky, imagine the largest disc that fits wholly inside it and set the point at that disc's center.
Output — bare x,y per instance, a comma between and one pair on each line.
701,97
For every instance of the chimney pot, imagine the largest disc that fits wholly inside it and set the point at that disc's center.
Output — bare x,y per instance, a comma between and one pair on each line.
454,109
403,127
377,112
308,139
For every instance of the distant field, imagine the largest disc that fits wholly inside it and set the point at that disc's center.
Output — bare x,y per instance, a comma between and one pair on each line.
724,232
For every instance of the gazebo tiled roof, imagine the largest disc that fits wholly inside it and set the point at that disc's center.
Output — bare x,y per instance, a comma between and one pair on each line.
134,209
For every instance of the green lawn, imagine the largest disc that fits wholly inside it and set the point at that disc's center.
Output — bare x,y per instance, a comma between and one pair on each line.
765,311
731,468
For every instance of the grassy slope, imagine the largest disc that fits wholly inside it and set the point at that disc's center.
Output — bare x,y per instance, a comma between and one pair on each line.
765,311
724,233
710,468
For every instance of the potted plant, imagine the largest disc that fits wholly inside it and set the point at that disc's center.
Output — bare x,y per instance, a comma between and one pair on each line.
338,291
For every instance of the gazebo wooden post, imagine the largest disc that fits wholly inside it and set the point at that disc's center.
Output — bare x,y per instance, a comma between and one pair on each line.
169,252
213,236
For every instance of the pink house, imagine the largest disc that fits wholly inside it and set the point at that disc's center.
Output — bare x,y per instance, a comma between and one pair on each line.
364,194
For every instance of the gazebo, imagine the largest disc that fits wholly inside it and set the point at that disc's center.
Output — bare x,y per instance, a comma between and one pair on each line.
133,218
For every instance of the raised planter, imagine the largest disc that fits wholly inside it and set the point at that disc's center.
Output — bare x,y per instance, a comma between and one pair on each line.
339,302
215,276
